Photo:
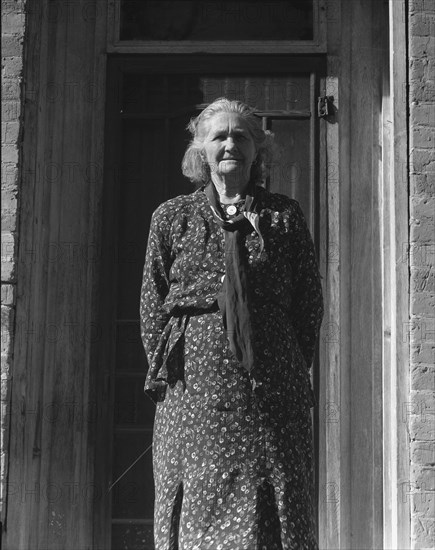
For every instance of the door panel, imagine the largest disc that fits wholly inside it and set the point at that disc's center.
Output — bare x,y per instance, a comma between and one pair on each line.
153,110
291,170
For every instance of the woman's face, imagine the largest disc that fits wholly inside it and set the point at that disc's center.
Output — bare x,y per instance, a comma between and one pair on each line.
228,146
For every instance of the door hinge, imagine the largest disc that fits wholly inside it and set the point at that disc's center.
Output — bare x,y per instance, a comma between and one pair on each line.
324,106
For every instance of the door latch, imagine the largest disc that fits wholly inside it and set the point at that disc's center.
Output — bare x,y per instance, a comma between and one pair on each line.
324,106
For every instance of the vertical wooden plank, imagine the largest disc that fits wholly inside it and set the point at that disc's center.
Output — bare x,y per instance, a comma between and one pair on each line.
365,277
334,373
380,61
24,459
396,286
320,22
52,436
351,513
332,414
313,152
388,373
360,273
113,22
345,92
104,349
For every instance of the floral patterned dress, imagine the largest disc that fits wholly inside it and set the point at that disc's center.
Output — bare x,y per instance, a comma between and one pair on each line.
232,465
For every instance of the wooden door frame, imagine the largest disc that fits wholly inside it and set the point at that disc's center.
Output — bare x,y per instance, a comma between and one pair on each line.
364,346
351,335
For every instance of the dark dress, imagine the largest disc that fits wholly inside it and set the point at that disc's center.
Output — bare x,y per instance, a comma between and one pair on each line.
232,465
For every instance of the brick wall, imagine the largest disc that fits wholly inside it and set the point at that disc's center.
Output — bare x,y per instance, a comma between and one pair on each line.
421,404
13,19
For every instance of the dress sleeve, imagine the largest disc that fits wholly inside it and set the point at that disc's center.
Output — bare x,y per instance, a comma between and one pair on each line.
155,283
307,297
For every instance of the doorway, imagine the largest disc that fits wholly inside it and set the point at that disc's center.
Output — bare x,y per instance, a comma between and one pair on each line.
150,103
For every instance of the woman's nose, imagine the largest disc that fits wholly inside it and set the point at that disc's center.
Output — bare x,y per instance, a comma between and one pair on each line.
229,143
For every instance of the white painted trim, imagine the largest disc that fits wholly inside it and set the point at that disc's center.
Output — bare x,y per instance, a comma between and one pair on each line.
396,287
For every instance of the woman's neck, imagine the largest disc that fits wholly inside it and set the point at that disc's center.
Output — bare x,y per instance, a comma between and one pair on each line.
229,191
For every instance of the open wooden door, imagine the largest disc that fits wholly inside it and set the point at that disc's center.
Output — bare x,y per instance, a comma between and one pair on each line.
149,108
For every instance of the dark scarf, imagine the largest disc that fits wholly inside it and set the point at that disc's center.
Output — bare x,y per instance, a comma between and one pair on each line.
234,298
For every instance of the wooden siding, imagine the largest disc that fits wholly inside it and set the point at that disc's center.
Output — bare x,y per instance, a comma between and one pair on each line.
51,489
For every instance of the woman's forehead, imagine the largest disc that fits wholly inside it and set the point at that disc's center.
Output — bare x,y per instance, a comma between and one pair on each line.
225,121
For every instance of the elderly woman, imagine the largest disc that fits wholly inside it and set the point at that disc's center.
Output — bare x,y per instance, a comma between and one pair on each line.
230,309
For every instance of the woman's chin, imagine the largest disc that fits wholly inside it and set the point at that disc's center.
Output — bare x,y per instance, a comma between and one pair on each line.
232,168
